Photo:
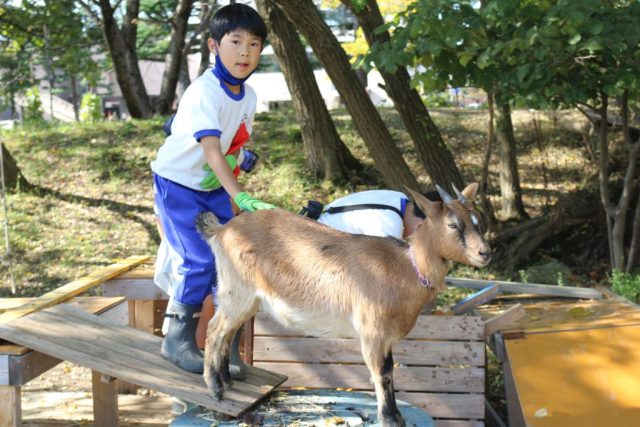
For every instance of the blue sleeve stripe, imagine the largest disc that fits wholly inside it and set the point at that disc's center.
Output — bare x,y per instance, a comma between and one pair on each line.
403,206
208,132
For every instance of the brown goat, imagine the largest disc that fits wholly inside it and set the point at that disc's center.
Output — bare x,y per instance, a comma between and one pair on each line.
329,283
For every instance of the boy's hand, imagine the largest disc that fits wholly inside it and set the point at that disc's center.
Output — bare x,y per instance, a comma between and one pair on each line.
211,181
248,203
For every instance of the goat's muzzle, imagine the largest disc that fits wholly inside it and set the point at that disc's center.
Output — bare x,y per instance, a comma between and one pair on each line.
481,258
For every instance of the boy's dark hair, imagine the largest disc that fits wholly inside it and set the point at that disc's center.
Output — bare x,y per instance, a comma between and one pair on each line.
234,16
431,195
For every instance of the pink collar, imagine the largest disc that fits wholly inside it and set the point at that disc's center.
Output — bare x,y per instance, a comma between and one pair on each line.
424,281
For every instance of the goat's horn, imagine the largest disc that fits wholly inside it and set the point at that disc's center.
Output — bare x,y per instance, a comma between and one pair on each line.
446,198
459,194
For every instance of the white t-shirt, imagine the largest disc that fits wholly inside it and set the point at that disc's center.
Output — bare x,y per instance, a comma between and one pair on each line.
207,108
373,222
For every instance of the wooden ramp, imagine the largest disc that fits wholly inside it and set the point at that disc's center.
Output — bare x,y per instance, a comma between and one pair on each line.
574,364
71,334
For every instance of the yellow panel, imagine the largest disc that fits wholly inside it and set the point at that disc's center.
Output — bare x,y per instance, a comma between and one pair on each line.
578,378
564,316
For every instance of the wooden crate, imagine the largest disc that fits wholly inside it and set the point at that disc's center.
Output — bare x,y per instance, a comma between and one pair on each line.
439,366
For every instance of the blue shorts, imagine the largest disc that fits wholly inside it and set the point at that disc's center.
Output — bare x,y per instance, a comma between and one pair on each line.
178,206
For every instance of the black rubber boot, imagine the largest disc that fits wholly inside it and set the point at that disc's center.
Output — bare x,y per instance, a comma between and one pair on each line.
179,345
237,368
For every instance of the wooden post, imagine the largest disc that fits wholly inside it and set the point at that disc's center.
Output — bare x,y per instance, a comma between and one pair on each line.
105,400
10,407
247,341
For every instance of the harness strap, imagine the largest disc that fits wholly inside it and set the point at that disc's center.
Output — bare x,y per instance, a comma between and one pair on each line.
180,316
339,209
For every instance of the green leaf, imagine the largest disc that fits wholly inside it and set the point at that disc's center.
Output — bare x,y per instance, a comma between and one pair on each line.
522,72
575,39
593,45
465,57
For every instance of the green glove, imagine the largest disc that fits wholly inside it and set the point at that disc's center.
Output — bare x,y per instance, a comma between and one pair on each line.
248,203
211,181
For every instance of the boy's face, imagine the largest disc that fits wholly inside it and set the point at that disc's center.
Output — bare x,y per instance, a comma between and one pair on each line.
239,51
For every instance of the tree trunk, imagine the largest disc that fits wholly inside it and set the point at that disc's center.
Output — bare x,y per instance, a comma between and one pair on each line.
436,158
326,154
122,48
516,244
491,222
386,155
173,60
13,178
75,99
512,206
206,13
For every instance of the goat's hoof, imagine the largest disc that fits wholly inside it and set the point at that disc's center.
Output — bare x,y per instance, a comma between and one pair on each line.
394,420
214,385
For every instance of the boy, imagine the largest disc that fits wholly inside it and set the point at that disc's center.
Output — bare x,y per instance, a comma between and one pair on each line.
196,170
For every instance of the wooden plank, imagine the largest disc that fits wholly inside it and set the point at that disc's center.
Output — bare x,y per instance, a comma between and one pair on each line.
345,350
143,271
586,377
533,288
18,370
447,405
74,288
406,378
13,350
10,409
472,301
94,304
133,289
503,320
247,341
105,401
128,354
427,327
144,316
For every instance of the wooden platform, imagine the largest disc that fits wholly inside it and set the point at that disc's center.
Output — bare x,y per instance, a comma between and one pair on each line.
125,353
19,364
440,366
573,364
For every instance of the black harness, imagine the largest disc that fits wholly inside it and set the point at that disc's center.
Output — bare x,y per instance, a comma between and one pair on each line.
314,209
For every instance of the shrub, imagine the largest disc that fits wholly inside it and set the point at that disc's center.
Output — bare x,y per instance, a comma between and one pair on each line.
626,285
33,109
90,108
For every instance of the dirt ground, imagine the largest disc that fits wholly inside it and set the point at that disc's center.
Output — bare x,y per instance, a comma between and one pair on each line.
62,396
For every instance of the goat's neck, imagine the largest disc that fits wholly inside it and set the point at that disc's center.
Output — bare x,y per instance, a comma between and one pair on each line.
429,263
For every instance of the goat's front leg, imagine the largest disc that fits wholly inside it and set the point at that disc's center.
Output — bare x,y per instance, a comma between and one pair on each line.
379,360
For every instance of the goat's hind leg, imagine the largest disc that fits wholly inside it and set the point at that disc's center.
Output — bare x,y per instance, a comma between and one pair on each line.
216,355
225,323
377,356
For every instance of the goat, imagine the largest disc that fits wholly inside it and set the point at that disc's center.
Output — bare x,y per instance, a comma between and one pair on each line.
329,283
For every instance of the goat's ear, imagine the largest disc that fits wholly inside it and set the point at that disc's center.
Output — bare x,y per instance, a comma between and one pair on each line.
430,208
470,191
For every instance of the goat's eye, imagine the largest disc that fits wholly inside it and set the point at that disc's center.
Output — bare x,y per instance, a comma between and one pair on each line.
453,226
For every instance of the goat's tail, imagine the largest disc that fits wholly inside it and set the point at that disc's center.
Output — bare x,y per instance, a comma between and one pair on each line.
207,224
